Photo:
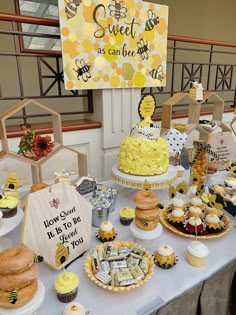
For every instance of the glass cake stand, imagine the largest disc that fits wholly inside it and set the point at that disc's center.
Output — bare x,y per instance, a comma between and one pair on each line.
7,226
136,182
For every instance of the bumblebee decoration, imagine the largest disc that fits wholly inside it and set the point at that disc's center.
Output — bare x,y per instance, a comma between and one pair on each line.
143,49
212,202
152,21
38,259
144,223
13,297
82,70
181,188
231,167
146,185
71,8
55,202
62,254
157,74
200,190
117,11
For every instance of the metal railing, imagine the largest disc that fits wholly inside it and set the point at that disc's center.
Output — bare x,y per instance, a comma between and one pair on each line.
213,63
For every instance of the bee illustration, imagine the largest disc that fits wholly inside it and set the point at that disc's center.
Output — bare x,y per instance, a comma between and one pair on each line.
55,202
157,73
144,223
152,20
38,259
82,70
71,8
117,10
13,297
182,188
143,49
62,254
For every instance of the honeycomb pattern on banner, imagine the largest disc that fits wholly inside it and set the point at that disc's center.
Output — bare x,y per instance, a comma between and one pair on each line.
113,43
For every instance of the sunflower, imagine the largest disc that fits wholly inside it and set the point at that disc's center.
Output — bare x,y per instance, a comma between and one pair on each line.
42,145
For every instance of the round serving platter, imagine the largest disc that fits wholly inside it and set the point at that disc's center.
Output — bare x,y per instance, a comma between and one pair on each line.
170,227
89,269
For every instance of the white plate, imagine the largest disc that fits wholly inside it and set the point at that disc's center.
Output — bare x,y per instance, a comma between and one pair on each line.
10,223
4,188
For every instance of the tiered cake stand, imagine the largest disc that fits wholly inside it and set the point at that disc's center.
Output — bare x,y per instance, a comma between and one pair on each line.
136,182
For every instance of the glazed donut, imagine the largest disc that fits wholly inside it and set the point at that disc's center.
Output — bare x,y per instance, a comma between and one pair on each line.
38,186
24,295
146,199
146,225
15,260
148,215
19,280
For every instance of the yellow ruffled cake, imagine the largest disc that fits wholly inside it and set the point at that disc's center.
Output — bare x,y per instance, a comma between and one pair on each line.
143,157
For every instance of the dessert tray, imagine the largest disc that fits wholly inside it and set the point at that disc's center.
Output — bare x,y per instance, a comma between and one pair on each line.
181,232
133,181
88,266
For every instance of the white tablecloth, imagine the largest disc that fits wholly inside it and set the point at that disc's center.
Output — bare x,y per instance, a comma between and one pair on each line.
164,284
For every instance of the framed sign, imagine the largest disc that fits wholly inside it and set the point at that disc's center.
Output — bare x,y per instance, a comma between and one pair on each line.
113,43
57,224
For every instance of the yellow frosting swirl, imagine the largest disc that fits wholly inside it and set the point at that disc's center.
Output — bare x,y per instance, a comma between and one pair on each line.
66,282
127,213
8,202
143,157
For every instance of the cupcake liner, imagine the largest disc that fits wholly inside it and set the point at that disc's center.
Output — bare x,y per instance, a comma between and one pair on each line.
8,213
67,297
103,240
165,266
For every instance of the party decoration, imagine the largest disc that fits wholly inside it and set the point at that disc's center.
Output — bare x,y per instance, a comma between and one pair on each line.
181,188
113,43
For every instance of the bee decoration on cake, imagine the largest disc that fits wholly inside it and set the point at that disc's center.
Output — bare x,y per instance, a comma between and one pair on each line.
71,8
143,49
82,70
152,21
146,185
157,74
38,259
13,297
117,11
62,254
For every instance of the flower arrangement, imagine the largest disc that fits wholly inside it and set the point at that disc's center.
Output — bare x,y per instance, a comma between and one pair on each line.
35,146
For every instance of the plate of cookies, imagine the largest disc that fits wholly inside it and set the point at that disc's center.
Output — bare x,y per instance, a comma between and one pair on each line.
119,266
195,219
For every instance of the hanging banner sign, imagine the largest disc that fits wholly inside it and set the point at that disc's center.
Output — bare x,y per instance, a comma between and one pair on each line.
113,43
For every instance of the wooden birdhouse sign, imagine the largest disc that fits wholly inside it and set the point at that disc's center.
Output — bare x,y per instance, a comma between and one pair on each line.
57,224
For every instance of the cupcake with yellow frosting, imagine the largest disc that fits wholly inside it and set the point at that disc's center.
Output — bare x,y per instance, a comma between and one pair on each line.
74,308
8,206
126,215
66,286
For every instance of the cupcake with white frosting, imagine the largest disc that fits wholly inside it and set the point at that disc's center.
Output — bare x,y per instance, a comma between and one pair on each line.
194,226
197,253
178,203
106,232
176,217
75,308
196,202
212,210
165,257
195,212
213,223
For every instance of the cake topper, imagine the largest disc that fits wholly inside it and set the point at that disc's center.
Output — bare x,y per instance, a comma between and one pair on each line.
146,109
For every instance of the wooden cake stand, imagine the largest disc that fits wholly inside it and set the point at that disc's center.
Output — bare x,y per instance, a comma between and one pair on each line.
136,182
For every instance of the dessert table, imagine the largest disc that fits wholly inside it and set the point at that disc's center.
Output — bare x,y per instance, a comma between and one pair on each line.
183,289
